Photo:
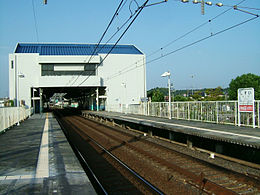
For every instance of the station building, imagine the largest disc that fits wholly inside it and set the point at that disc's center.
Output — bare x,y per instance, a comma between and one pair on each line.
39,70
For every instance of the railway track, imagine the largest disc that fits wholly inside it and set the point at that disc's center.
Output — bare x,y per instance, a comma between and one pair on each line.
171,171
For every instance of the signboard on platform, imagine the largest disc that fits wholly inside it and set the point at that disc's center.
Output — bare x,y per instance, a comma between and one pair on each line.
246,99
246,102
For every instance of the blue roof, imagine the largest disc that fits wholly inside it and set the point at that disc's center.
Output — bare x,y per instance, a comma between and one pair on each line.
74,49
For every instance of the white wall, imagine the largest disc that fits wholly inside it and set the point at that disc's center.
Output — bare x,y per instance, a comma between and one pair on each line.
27,64
124,76
108,75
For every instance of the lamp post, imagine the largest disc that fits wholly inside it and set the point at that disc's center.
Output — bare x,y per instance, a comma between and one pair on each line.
192,80
19,75
34,90
124,88
168,74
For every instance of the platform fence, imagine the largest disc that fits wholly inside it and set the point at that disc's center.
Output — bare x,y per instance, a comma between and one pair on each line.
220,112
10,116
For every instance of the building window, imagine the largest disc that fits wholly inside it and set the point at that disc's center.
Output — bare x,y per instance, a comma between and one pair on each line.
68,69
12,64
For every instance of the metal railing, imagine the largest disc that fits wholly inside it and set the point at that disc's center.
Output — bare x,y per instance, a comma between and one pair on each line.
221,112
10,116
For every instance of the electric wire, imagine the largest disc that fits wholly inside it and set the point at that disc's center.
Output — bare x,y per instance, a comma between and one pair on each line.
109,24
203,39
138,12
35,22
149,5
119,28
193,43
193,30
181,48
254,8
112,19
175,40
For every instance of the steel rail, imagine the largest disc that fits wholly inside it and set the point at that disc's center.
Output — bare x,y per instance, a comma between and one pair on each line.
201,182
155,189
82,158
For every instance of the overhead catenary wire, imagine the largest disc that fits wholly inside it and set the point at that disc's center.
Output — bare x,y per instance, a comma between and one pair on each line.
119,28
203,39
171,42
112,19
35,21
243,7
104,33
138,12
136,66
183,47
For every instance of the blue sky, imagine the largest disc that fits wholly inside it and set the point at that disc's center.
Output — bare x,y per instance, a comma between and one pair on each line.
213,62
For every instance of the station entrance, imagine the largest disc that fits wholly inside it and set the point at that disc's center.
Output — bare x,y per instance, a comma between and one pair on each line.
88,98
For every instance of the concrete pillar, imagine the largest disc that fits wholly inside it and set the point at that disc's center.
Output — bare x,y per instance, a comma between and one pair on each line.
41,92
97,100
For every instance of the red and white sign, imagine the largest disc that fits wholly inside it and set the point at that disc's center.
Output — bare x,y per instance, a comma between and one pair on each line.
246,108
246,99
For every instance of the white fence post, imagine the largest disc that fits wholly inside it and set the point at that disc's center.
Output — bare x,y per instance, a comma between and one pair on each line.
258,114
178,110
216,112
236,103
9,116
188,110
225,112
201,112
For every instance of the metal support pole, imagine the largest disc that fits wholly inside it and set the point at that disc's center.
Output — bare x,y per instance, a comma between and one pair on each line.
170,108
97,100
235,113
18,101
258,110
17,92
254,114
41,105
33,101
238,115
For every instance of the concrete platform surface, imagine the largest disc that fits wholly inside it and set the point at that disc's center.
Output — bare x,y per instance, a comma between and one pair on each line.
36,158
228,133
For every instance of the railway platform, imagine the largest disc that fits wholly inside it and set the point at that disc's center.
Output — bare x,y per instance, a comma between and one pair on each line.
244,136
36,158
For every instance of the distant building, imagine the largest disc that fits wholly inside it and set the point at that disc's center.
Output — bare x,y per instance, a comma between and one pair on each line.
2,103
40,70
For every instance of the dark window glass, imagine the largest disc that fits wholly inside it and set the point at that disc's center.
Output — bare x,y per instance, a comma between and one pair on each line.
48,70
12,64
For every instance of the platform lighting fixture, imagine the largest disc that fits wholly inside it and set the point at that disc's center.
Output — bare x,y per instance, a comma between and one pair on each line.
209,3
184,1
45,2
124,95
168,74
219,4
19,75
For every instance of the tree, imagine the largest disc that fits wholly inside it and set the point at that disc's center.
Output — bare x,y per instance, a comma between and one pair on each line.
179,98
197,96
244,81
157,96
214,94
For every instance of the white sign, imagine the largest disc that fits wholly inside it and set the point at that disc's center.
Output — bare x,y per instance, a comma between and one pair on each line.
246,102
246,99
